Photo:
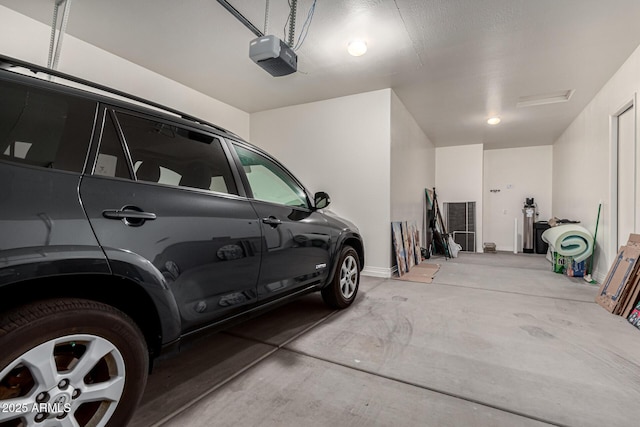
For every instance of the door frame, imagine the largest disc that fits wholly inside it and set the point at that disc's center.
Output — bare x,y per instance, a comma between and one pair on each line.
613,243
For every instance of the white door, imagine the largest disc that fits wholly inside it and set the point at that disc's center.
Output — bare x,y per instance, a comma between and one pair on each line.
627,188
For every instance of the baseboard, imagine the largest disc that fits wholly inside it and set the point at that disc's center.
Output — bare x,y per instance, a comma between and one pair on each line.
377,272
599,276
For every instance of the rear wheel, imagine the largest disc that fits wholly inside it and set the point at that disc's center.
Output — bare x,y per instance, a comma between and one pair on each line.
342,290
70,362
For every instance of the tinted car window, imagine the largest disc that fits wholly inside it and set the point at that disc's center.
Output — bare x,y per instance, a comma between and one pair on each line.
172,155
269,182
43,128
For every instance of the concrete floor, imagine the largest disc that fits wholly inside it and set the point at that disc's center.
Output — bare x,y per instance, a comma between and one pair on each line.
496,340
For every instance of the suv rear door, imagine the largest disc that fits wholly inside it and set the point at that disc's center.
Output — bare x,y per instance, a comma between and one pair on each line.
44,141
165,193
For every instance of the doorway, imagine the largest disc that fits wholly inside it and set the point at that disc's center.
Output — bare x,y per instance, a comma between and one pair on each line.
626,191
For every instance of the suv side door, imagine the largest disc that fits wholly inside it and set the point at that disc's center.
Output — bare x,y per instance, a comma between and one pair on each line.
44,141
296,238
165,193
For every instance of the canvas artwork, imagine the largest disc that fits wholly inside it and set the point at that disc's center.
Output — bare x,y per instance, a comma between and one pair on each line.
411,228
416,242
398,247
429,195
408,246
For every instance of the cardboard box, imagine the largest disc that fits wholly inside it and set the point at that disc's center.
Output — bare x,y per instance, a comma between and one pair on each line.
634,240
621,273
632,292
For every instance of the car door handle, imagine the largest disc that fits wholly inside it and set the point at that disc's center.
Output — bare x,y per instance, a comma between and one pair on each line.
272,221
128,213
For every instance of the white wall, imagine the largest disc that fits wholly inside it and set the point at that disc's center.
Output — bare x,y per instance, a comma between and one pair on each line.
518,173
582,162
412,166
340,146
459,179
24,38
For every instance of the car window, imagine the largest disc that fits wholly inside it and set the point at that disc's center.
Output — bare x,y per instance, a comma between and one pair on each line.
269,182
168,154
44,128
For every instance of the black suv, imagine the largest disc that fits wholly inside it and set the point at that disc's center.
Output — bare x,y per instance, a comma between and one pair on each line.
125,229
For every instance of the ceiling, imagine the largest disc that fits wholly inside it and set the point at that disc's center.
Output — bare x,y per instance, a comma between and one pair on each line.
453,63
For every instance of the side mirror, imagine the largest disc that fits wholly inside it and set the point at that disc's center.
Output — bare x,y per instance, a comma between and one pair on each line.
321,200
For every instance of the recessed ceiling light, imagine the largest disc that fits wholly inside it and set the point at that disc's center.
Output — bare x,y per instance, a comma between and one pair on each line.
494,120
357,48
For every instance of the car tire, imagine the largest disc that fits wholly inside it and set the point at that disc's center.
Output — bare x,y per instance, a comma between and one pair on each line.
70,358
342,289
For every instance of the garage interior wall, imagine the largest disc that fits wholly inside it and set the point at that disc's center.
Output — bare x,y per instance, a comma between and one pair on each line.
510,176
89,62
412,166
459,179
341,146
582,156
385,161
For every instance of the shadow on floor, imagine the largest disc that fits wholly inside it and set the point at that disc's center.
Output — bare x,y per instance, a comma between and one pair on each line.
211,360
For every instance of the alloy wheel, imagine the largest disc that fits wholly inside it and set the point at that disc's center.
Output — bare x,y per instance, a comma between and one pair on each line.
75,380
348,276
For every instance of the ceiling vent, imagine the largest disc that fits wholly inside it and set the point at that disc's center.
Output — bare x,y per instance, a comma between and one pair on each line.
547,98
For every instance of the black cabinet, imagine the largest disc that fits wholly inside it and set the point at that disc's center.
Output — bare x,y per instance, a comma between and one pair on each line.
539,228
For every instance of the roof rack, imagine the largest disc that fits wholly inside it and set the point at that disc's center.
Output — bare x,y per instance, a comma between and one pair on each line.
40,69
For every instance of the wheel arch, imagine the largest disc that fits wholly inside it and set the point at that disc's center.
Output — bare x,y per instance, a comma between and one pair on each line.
353,240
121,293
355,243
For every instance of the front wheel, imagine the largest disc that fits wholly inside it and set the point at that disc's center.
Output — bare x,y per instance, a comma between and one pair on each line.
342,289
70,362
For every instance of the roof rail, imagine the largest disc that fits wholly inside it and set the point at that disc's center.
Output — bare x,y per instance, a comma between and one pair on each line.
6,60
